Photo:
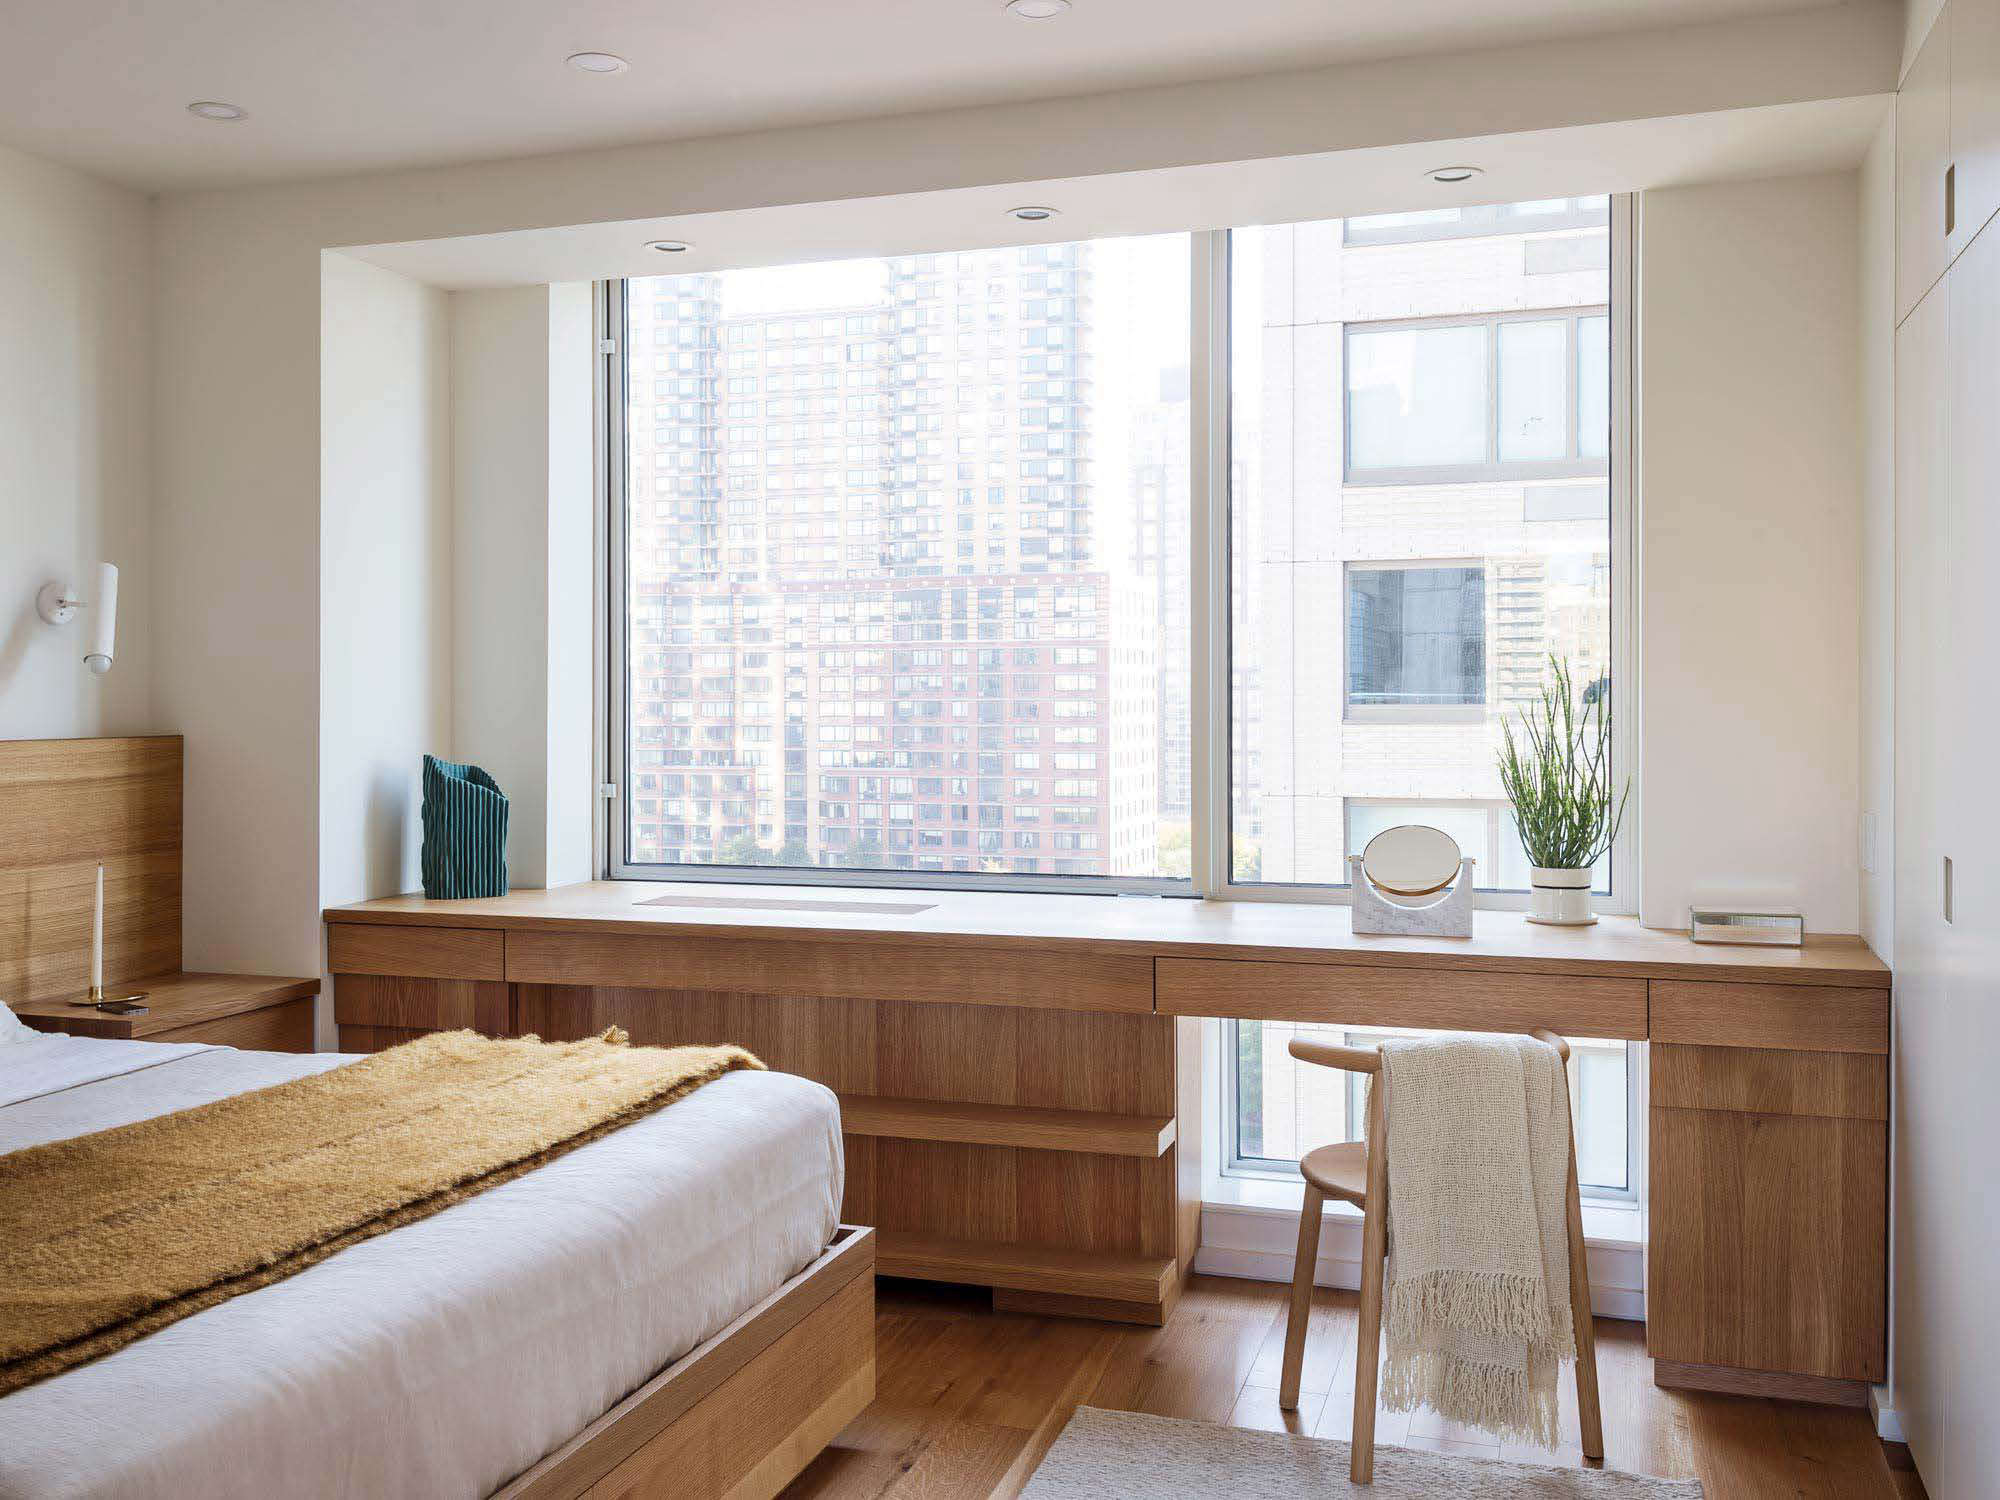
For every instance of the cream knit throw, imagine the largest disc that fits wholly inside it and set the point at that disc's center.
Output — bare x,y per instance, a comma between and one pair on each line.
1476,1315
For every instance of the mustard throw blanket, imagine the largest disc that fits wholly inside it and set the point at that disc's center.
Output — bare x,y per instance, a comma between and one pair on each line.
1476,1314
107,1237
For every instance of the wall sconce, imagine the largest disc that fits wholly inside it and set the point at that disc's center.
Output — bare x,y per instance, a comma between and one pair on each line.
57,603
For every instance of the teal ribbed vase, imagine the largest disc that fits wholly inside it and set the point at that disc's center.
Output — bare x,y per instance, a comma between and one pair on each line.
465,832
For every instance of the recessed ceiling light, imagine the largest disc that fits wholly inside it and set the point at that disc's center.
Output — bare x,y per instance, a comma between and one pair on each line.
668,247
215,109
1449,175
1037,10
597,62
1032,213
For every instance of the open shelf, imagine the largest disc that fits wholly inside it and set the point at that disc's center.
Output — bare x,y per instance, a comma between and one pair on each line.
1006,1125
1024,1268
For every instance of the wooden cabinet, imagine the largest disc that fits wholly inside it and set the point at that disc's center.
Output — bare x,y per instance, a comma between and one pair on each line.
1923,156
1767,1255
1770,1230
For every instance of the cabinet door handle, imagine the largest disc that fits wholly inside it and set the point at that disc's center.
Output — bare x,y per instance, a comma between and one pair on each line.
1951,198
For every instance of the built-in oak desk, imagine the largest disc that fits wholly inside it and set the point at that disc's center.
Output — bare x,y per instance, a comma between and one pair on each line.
1018,1072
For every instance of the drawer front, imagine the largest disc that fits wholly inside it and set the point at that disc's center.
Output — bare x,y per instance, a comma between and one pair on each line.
1768,1242
1787,1017
275,1028
420,952
1761,1080
1446,1000
863,971
423,1004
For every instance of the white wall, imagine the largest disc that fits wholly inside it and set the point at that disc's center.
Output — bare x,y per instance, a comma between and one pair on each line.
385,572
1750,538
75,443
523,514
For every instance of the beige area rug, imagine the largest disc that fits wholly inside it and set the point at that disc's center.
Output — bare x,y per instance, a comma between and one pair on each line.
1112,1455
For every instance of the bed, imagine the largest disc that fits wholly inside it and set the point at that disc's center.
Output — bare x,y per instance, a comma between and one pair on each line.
673,1308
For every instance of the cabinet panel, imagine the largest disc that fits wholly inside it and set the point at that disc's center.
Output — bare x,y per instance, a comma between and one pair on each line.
1366,996
1766,1245
1923,151
1975,115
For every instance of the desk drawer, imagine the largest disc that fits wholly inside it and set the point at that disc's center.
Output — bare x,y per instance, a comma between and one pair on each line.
1449,1000
1787,1017
415,952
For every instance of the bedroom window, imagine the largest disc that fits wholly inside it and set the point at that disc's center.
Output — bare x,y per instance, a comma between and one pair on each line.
905,586
1165,565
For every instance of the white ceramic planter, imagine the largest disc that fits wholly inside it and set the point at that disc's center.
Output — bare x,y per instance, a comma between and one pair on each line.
1560,898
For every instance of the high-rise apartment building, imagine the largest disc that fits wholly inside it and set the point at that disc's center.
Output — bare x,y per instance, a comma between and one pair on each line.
889,611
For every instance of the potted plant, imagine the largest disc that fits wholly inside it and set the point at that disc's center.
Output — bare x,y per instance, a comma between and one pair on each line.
1564,803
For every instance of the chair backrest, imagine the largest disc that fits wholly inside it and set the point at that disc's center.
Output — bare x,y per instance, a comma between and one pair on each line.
1369,1059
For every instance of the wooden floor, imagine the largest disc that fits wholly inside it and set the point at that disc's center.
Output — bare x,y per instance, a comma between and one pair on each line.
969,1400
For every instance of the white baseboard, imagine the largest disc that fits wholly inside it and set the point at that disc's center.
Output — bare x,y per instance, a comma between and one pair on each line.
1888,1425
1257,1244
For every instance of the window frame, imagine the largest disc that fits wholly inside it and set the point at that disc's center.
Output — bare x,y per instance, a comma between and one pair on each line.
1493,467
1209,728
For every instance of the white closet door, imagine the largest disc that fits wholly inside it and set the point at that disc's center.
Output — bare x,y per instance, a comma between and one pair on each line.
1925,1165
1968,813
1923,151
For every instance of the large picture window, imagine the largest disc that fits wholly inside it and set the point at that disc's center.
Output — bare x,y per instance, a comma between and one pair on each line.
909,589
908,585
904,550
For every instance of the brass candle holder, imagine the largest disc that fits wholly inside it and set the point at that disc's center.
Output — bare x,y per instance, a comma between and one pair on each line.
127,1004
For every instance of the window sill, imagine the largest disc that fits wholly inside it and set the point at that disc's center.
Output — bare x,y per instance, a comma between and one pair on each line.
1607,1225
1249,1229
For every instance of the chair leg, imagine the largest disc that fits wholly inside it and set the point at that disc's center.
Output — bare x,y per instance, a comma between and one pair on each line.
1302,1291
1368,1341
1588,1408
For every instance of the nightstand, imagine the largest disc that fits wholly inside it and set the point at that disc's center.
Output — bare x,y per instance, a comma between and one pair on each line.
258,1012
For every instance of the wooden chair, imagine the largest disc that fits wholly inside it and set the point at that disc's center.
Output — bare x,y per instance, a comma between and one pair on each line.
1351,1173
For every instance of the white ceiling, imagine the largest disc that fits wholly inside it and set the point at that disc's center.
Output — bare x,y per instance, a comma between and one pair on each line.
360,85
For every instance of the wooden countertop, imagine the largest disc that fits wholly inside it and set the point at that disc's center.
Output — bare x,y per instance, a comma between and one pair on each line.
1163,927
172,1001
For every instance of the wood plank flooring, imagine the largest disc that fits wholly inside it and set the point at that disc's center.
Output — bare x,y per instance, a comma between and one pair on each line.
968,1401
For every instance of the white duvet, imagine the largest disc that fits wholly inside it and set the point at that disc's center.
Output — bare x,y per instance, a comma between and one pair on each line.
445,1357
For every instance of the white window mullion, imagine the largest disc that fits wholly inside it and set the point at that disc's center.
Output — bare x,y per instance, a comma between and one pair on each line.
1208,695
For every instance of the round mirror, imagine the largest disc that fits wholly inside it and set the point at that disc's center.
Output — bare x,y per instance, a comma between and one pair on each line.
1411,860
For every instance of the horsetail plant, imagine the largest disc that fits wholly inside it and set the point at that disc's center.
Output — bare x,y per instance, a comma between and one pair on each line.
1560,783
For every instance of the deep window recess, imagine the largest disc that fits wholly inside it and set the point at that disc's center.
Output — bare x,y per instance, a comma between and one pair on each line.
1179,565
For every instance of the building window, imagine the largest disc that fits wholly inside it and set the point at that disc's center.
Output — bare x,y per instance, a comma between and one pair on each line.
1416,639
1514,396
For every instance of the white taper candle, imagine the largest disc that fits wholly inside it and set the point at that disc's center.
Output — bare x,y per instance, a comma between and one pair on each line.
97,937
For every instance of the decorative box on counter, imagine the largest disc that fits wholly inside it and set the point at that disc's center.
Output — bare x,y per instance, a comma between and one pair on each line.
1777,928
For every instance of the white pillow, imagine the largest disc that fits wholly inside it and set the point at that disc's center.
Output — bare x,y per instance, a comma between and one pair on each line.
13,1029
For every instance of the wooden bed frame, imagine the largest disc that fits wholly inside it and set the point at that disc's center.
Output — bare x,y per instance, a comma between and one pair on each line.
742,1414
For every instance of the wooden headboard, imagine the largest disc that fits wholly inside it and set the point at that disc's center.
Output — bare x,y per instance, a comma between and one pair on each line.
65,807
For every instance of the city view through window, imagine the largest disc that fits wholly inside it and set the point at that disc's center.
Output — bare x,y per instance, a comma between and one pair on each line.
907,563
